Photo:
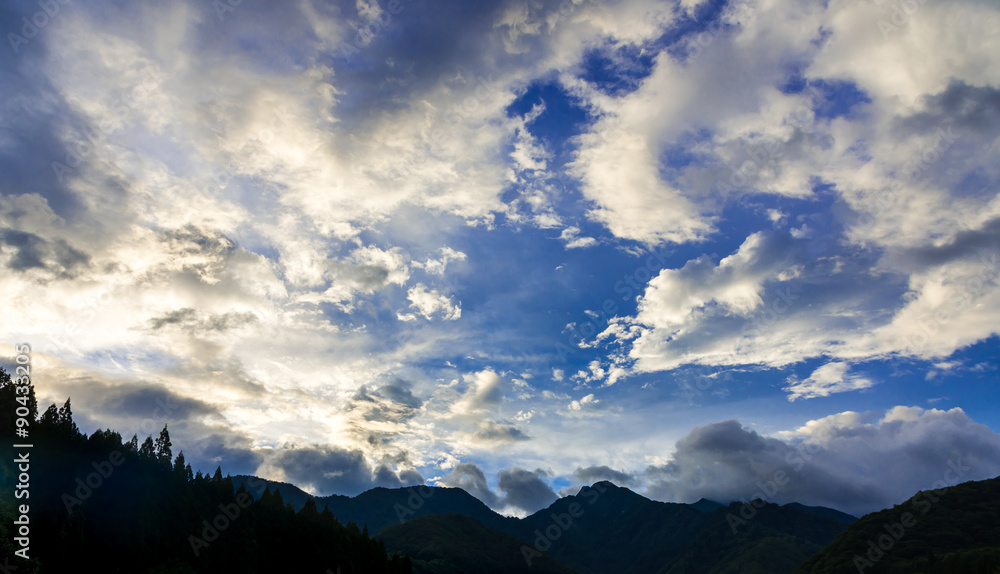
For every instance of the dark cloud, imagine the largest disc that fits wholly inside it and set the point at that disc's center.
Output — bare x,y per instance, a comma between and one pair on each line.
399,392
385,476
593,474
144,401
493,432
470,478
848,463
332,470
34,252
525,489
973,108
363,276
393,402
517,489
976,244
231,451
188,319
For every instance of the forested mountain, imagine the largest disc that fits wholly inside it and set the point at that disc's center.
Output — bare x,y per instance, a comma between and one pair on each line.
603,528
135,507
955,530
455,544
126,506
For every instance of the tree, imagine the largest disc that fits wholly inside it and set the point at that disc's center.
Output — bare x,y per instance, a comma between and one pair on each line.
163,454
66,425
11,400
147,450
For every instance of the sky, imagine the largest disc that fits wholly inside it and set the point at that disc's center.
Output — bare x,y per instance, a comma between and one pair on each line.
515,246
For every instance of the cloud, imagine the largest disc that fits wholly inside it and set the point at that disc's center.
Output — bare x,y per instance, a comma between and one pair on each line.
826,380
29,251
470,478
428,302
524,490
485,391
495,433
854,462
519,491
187,319
325,470
583,403
571,235
592,474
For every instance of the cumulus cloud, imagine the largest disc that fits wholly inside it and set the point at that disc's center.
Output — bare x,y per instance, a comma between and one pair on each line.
470,478
485,391
324,470
571,235
826,380
519,491
491,432
855,462
429,303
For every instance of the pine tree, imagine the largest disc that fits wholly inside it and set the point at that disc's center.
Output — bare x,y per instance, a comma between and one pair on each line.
163,454
67,426
148,450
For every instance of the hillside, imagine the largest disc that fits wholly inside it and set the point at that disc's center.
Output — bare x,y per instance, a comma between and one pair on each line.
955,530
455,544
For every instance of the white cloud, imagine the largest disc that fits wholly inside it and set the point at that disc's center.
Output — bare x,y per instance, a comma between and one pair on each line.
826,380
485,391
583,403
428,302
571,235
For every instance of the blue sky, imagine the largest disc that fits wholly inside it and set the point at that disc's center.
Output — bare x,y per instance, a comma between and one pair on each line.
515,246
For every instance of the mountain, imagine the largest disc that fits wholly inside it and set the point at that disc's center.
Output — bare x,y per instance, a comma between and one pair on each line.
290,493
455,544
754,538
616,530
381,508
606,528
603,528
706,505
824,511
954,530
